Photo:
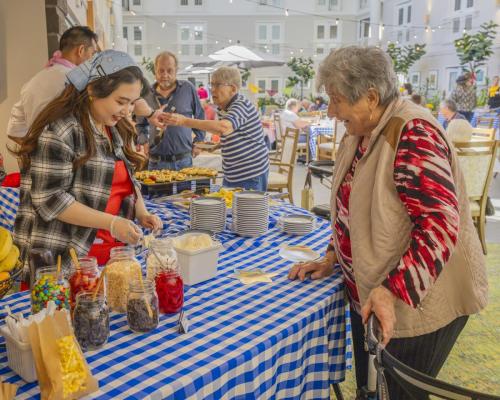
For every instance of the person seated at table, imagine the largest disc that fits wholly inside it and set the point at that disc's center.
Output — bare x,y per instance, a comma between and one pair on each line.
305,104
245,152
449,111
318,105
290,117
77,164
494,94
459,130
402,233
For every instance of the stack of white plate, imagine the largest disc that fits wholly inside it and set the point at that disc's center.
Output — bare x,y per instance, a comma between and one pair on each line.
296,224
208,213
250,213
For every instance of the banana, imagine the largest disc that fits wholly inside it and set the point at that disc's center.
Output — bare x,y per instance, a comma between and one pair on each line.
9,262
5,243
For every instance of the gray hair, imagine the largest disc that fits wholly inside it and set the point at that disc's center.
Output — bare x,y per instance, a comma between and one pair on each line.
353,70
450,105
290,103
229,75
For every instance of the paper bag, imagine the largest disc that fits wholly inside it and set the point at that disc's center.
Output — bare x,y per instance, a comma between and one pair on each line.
56,350
307,195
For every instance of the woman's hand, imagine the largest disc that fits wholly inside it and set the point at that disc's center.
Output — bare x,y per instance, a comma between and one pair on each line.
125,230
150,221
316,269
174,119
381,302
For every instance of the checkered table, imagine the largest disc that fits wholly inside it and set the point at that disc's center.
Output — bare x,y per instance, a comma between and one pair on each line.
287,339
314,132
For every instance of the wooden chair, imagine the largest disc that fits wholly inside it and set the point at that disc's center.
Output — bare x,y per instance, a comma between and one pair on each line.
327,145
483,133
485,122
283,178
477,160
303,148
309,114
278,134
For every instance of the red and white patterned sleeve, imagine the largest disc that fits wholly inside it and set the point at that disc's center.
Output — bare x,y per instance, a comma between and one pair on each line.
424,181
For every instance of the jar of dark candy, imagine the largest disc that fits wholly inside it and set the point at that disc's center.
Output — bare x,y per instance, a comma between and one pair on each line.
142,306
91,320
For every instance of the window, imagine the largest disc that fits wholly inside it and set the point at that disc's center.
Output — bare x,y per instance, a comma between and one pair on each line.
275,49
136,3
185,49
262,32
468,22
184,2
363,3
184,34
137,33
320,50
364,28
198,33
271,35
276,32
407,35
333,31
321,2
138,50
401,18
408,15
198,2
191,38
275,85
458,5
470,3
456,25
198,49
125,32
320,33
261,83
400,36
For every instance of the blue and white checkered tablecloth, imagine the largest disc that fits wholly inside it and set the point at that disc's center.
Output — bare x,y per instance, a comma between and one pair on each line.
314,132
287,339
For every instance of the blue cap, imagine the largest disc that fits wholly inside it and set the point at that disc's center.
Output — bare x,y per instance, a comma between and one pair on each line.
100,65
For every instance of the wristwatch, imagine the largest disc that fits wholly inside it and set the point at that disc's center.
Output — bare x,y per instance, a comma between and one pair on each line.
150,115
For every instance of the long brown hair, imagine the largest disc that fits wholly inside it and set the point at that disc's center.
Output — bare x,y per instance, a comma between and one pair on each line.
71,102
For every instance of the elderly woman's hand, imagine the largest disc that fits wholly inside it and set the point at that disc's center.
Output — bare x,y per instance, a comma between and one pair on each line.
174,119
316,269
381,302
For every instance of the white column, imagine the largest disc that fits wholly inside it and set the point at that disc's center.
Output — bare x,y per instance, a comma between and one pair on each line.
118,40
375,22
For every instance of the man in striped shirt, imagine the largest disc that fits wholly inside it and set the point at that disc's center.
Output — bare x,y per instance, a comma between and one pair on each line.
245,154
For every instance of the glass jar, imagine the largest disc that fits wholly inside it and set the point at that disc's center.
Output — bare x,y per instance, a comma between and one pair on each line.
121,268
142,306
161,251
48,286
85,278
169,284
91,320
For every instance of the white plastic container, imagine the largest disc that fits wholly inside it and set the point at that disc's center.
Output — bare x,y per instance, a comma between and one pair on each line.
20,356
198,265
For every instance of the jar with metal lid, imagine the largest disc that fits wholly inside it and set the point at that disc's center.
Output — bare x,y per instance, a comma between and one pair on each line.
91,320
84,278
48,286
142,306
121,269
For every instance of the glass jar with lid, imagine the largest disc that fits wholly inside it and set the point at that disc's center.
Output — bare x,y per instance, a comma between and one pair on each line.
48,286
142,306
84,278
160,252
91,320
121,268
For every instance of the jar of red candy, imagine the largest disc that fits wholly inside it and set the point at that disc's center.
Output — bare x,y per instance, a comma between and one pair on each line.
162,262
84,278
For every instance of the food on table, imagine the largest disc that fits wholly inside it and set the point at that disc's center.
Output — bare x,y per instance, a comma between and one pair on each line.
170,290
226,194
142,306
194,242
74,373
199,171
161,255
4,276
5,242
84,279
121,269
48,286
166,175
9,253
91,320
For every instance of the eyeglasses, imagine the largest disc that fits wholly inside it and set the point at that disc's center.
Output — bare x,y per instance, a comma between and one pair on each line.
217,85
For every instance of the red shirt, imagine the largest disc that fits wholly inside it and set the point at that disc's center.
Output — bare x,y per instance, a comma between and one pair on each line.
202,93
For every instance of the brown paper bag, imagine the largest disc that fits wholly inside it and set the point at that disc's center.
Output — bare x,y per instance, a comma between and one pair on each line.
7,391
45,338
307,194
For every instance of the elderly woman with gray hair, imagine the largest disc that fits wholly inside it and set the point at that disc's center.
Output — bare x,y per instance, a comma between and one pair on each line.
402,232
245,153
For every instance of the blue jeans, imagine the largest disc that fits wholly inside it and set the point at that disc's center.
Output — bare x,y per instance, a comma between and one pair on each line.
258,183
175,166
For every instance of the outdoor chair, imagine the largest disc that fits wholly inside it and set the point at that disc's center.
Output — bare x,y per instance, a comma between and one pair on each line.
483,134
283,178
485,122
276,154
477,160
327,146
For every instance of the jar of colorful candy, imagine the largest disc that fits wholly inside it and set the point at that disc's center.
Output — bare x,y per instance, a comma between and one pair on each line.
142,306
48,286
169,284
84,278
91,320
121,268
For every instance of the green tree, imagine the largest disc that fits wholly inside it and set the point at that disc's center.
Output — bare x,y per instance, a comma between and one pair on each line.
303,68
473,50
245,74
148,64
404,57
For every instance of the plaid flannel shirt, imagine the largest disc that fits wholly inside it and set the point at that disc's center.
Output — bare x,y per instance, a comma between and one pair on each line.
50,185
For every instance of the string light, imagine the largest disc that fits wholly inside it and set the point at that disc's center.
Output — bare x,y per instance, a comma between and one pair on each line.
383,26
336,21
426,29
163,24
286,12
133,13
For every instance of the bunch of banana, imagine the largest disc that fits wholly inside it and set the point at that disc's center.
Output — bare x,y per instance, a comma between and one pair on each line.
9,254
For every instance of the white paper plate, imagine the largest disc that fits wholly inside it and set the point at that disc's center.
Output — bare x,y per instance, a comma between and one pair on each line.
298,254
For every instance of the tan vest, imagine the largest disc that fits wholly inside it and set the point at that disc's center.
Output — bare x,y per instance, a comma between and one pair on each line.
380,228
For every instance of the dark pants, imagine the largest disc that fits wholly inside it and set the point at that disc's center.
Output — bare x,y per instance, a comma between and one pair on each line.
258,183
467,114
426,353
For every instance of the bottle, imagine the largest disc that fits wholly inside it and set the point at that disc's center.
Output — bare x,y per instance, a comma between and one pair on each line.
91,320
85,278
142,306
121,269
48,286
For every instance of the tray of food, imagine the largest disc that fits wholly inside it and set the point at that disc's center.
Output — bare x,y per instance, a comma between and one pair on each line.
166,176
207,146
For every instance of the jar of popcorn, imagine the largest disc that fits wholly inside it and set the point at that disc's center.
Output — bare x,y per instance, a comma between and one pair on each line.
121,269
